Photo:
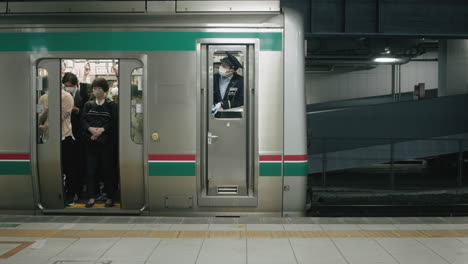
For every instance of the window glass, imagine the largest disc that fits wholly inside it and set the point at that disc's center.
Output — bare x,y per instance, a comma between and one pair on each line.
89,69
42,106
136,101
228,87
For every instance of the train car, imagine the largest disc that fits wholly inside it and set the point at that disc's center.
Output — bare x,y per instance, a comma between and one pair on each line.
175,155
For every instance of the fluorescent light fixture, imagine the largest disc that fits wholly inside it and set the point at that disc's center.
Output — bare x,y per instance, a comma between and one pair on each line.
387,60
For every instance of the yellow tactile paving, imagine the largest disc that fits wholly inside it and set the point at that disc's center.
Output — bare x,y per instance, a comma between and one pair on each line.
287,234
26,233
226,234
22,245
407,233
230,234
67,234
258,234
341,233
137,233
314,234
441,233
463,233
164,234
102,233
193,234
378,234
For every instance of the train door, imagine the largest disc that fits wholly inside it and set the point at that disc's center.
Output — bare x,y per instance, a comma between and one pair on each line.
227,143
125,79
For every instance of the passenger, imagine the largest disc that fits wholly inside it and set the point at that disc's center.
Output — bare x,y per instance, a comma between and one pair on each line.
100,122
137,115
86,92
69,166
73,185
87,78
43,118
114,93
228,85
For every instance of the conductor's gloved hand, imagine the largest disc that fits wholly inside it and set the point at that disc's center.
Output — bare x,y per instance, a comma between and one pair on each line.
215,108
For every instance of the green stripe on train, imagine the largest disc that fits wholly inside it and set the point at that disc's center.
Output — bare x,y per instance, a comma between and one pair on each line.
125,41
188,169
295,169
270,169
171,168
15,168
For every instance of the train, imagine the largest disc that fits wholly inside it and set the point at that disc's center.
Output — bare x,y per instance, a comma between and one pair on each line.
178,158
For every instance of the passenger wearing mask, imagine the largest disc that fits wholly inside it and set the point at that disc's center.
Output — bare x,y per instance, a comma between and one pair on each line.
69,166
228,85
70,83
100,123
114,92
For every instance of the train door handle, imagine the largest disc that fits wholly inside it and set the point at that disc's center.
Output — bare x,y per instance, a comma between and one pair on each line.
212,138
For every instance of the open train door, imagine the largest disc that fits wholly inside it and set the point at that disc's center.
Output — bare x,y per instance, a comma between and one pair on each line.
51,178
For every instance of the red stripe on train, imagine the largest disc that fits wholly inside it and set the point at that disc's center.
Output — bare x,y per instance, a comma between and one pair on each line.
171,157
295,157
270,158
14,157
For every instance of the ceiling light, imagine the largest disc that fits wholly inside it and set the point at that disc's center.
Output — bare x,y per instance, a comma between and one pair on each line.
387,60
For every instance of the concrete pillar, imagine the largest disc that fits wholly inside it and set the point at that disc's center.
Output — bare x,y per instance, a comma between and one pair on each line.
453,67
295,141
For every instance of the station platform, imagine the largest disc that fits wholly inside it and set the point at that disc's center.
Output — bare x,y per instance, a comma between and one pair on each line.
179,240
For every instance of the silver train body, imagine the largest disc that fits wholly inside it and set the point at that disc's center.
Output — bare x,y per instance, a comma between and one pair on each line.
189,161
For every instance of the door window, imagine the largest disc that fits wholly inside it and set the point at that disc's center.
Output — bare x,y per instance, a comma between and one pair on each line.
136,107
42,106
228,85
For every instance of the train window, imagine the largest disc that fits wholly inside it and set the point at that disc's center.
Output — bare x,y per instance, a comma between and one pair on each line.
136,101
42,106
228,92
87,70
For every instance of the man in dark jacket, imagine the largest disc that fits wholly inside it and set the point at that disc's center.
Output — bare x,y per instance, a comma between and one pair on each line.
228,85
99,122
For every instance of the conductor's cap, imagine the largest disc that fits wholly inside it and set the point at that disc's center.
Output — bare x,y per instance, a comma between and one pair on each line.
231,61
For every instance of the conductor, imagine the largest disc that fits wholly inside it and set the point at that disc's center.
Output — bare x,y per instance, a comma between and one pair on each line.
228,85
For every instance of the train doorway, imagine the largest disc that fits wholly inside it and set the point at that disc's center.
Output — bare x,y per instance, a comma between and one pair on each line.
66,150
227,142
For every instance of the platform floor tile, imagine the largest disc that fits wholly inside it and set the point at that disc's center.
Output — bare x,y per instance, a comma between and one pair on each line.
7,246
409,250
305,227
227,227
192,227
377,227
316,250
226,251
86,249
131,250
451,249
340,227
39,252
180,251
270,251
363,251
152,226
265,227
